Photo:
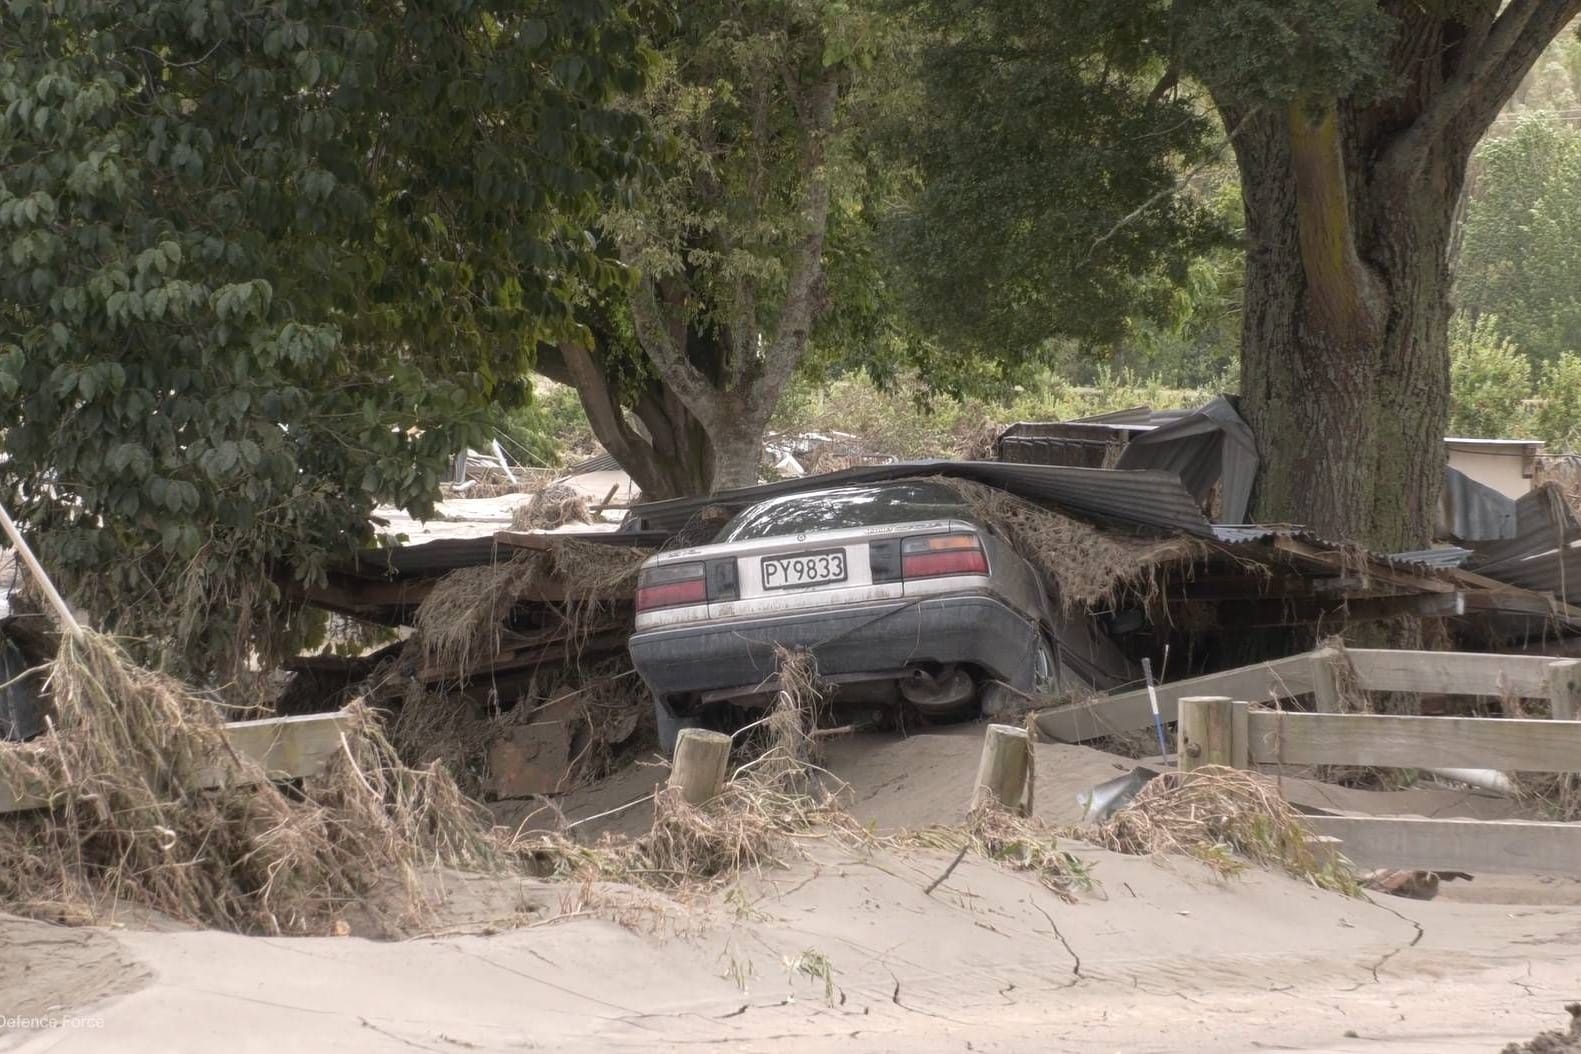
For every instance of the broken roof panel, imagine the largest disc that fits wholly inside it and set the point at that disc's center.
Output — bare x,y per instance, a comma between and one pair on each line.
1206,447
1150,501
1469,511
1542,556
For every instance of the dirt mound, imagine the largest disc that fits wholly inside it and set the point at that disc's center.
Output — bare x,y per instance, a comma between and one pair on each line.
48,971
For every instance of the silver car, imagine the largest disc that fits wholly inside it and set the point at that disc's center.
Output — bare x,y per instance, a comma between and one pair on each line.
897,592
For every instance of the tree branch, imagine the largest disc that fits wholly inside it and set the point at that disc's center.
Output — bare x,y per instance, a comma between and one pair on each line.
675,369
799,309
1490,69
635,454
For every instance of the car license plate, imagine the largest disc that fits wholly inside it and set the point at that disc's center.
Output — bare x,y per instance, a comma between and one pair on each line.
788,572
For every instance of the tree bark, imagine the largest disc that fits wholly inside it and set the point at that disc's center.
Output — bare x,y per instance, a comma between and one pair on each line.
668,457
1349,211
1345,367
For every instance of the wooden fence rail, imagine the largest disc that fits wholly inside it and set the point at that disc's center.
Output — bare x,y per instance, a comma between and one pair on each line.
1518,847
1219,731
1386,741
286,747
1317,674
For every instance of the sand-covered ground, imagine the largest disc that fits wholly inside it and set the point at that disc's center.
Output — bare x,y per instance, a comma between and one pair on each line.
848,949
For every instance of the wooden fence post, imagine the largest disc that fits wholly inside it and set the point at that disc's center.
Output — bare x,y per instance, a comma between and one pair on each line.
1240,735
701,759
1564,689
1002,769
1325,681
1207,731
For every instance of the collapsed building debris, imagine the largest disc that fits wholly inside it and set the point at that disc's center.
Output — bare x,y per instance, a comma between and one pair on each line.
516,676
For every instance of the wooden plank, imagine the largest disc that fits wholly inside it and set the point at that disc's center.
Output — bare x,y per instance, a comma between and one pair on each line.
1126,711
1387,741
289,747
286,747
1002,769
1564,689
1451,672
1474,846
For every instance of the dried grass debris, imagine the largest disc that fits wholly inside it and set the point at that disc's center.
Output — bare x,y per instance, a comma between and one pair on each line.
1226,818
1017,842
1554,1041
1090,567
556,505
128,822
460,622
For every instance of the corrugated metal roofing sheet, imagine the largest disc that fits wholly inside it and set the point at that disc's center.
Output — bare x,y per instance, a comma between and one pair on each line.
1206,447
1150,501
1469,511
597,463
1541,556
1427,560
448,554
1449,556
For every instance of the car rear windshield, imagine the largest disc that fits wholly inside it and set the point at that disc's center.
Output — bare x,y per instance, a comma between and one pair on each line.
832,510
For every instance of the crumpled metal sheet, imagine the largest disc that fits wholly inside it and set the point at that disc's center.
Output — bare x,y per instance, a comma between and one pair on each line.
1469,511
1209,446
1149,501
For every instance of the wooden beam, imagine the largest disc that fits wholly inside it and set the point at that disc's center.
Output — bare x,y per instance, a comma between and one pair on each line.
1125,711
286,748
1475,846
702,759
1333,611
1387,741
1451,672
1411,581
1325,681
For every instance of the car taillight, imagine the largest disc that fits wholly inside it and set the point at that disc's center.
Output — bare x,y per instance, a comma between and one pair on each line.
672,585
934,556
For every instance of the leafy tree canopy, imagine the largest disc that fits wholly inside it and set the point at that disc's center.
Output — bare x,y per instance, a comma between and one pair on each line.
725,238
264,266
1521,246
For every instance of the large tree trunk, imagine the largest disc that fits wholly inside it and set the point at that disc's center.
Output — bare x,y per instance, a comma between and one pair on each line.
1349,211
1344,369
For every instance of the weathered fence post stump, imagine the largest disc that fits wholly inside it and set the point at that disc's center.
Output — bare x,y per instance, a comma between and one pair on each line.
1564,689
1325,681
1240,735
1206,731
701,760
1002,770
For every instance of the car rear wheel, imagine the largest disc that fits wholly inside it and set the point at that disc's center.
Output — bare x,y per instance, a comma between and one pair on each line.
998,699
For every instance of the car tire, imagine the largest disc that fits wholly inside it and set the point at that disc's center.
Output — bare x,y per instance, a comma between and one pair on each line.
997,699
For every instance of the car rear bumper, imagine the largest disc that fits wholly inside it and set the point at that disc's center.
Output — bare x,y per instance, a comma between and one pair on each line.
892,634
